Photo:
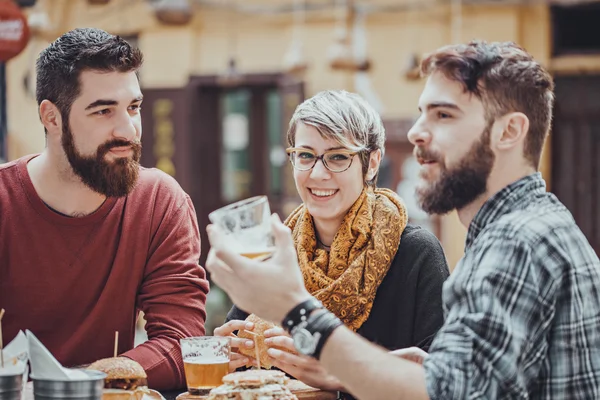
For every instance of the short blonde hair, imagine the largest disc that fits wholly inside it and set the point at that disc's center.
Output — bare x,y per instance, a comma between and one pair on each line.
346,118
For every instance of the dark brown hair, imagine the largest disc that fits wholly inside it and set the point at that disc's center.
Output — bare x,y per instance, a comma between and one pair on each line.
59,66
506,79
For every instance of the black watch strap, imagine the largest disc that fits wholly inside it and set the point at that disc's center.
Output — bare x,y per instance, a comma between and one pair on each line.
300,313
324,324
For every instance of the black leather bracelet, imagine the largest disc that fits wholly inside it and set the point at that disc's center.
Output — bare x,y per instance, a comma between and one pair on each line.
300,313
324,323
315,321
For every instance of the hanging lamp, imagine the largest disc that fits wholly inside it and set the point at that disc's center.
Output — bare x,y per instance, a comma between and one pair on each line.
172,12
294,61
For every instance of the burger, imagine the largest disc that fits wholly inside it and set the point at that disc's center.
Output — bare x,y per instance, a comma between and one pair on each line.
125,378
258,336
253,385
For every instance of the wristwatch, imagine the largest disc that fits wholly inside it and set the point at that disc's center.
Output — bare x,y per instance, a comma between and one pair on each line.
305,341
310,335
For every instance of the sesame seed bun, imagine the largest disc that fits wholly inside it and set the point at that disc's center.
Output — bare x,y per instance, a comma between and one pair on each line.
119,368
260,326
125,378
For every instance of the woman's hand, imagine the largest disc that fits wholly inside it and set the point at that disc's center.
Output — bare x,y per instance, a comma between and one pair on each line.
306,369
413,354
236,360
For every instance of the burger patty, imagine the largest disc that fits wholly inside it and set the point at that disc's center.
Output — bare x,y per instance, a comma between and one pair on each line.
125,384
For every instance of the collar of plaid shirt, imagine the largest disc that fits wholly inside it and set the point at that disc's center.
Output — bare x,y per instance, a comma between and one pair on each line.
506,200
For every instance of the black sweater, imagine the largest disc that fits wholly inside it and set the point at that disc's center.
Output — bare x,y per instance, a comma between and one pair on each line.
407,310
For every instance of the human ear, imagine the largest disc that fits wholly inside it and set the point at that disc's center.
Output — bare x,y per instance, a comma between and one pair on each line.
515,128
51,117
374,162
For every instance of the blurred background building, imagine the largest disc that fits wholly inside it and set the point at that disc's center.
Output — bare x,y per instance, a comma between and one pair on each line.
222,78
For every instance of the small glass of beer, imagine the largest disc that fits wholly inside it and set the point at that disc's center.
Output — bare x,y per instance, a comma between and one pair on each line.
247,225
206,362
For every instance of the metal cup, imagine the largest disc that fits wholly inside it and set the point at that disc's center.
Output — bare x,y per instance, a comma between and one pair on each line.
11,387
86,389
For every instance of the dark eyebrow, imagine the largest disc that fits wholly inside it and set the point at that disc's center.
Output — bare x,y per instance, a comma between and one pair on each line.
441,104
101,102
106,102
329,149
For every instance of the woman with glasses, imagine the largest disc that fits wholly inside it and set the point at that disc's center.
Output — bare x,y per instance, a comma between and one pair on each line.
359,256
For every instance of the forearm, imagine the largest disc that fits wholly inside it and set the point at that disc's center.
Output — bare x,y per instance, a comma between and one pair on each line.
369,372
161,359
172,297
166,324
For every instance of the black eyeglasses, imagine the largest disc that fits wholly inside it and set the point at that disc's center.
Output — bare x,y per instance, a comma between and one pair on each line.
334,160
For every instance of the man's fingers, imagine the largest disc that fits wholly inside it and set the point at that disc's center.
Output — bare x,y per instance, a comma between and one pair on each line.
215,235
241,343
298,361
413,351
220,272
277,331
236,361
283,234
283,342
221,251
214,264
298,372
413,354
290,369
231,326
237,356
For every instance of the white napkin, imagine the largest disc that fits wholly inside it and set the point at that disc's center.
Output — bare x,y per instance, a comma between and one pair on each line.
15,355
45,366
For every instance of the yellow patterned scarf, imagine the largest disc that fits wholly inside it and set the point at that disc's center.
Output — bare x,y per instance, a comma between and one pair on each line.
346,278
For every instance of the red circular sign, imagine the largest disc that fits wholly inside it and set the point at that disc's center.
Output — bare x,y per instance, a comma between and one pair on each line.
14,32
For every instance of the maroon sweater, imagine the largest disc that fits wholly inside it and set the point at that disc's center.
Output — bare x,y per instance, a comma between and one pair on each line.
75,281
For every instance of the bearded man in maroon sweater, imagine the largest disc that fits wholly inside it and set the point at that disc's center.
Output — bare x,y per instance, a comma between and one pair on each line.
89,238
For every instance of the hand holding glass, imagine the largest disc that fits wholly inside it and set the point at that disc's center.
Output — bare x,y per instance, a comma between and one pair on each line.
247,226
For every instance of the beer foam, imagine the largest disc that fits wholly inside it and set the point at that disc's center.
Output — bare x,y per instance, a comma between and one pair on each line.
206,360
251,240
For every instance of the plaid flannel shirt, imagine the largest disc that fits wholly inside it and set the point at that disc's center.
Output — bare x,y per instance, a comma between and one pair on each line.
522,308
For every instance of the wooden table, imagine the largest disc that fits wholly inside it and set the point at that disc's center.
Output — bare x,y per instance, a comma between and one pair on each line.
302,391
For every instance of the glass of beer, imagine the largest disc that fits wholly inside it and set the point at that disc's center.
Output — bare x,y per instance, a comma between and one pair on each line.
247,225
206,362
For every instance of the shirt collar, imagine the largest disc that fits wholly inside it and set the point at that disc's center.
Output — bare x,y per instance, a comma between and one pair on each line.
514,196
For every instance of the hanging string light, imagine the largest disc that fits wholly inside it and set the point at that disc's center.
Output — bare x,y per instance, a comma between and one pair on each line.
411,69
341,55
293,60
232,76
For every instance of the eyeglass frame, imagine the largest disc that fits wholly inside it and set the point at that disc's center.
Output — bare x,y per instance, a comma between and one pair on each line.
321,157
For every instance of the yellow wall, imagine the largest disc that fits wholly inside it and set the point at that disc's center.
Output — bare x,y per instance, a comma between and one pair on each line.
25,131
174,53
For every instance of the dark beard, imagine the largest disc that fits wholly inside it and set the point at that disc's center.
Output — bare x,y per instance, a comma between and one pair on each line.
461,185
112,179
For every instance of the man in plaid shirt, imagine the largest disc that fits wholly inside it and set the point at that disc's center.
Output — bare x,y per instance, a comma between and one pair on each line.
523,305
522,308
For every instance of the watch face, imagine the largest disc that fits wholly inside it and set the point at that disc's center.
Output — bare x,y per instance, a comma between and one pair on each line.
304,342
